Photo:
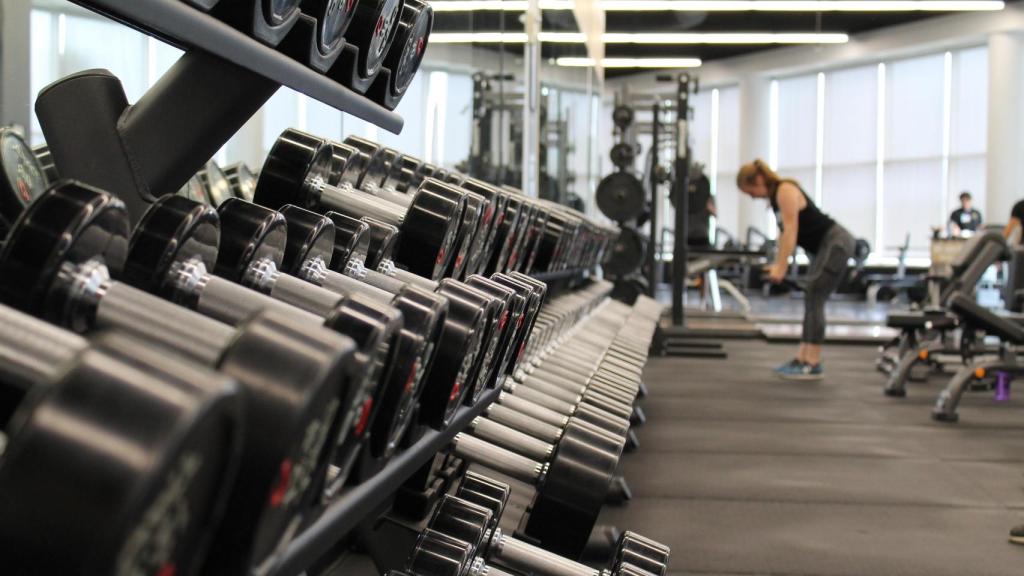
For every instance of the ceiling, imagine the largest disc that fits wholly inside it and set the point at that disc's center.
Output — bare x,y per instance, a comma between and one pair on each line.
645,22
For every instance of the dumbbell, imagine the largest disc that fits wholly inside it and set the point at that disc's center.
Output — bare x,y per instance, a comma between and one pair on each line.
176,428
215,183
357,165
570,485
241,179
269,21
378,170
350,234
195,191
472,515
312,243
177,242
370,35
294,374
406,53
296,172
326,22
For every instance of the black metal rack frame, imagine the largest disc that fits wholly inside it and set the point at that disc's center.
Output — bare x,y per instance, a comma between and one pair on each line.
355,503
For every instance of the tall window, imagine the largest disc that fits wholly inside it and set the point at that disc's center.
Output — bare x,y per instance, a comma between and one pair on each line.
968,127
914,116
887,148
797,130
850,148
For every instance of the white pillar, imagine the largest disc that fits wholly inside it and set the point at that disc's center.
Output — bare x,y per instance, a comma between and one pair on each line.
755,118
1005,167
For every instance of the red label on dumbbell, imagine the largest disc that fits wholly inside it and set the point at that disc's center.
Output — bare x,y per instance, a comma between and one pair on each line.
284,477
364,417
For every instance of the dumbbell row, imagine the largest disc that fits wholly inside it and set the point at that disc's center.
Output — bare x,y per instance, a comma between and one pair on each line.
463,537
250,262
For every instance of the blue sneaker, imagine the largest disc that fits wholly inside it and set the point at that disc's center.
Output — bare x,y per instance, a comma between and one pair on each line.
796,370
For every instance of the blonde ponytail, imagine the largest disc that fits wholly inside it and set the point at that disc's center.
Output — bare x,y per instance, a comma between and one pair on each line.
748,174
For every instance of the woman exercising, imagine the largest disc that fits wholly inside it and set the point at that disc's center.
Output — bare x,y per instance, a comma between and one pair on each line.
829,245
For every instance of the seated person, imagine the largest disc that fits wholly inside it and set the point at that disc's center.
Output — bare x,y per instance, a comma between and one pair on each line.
965,218
1015,223
702,208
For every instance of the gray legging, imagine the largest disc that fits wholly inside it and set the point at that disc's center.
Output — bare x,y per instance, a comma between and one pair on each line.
828,269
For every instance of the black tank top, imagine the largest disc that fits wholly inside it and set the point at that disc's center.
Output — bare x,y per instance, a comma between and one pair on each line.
813,223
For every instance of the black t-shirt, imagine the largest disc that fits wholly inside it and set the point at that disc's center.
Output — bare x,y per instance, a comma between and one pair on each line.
812,223
966,219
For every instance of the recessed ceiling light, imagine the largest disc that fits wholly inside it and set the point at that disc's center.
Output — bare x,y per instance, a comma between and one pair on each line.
724,38
497,5
505,37
631,62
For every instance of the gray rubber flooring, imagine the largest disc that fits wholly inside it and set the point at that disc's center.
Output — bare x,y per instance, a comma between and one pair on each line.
743,474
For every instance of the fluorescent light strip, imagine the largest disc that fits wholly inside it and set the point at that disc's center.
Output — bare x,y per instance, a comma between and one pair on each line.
802,5
724,38
640,38
632,62
497,5
505,37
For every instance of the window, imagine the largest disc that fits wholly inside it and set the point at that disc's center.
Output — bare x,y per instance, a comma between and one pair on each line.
725,162
968,127
797,131
850,148
913,177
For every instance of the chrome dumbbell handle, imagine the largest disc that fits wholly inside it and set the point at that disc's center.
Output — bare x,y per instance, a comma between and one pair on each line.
507,462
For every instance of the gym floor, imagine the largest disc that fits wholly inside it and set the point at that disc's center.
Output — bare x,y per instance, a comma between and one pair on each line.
743,474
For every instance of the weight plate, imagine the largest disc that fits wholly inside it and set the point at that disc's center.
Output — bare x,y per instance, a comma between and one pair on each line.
623,155
622,116
627,253
621,196
23,177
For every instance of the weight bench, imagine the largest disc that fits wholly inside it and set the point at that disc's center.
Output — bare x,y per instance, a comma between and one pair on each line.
1003,368
913,345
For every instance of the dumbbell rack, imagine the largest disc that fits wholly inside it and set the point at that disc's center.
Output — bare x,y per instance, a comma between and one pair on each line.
177,23
224,78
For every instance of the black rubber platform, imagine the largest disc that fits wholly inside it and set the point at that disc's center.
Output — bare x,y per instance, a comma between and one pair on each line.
743,474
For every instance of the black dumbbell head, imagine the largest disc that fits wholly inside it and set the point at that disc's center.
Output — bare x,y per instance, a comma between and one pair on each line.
410,44
437,554
347,164
431,227
462,520
173,230
486,492
373,30
296,165
249,233
351,240
216,183
310,236
332,20
641,552
69,223
383,240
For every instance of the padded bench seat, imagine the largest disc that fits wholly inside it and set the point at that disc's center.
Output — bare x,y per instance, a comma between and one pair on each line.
1008,329
920,320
